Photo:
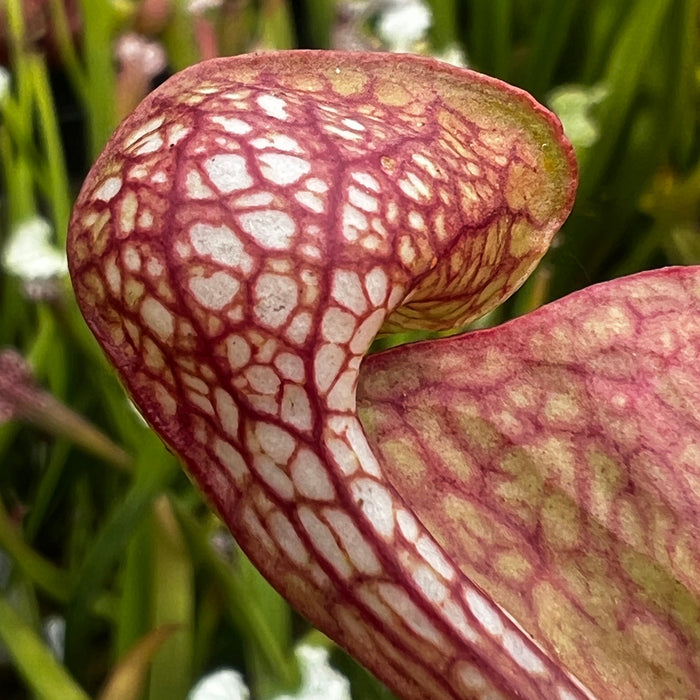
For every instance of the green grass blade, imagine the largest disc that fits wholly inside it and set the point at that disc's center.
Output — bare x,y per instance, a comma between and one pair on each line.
155,470
444,28
54,162
180,38
243,607
39,669
45,575
314,19
127,680
683,86
623,76
134,616
99,19
173,603
602,25
554,21
276,26
490,36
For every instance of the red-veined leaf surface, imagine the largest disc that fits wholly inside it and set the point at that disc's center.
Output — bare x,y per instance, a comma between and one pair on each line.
557,459
235,249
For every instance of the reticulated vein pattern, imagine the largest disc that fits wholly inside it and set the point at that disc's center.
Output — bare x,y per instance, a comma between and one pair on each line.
244,237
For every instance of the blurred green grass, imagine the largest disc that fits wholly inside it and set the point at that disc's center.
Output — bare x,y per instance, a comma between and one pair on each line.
118,546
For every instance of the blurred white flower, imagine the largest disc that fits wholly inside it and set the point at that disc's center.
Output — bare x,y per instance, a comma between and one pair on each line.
140,61
225,684
403,24
54,629
350,32
223,543
575,106
199,7
5,80
319,681
144,55
454,55
30,255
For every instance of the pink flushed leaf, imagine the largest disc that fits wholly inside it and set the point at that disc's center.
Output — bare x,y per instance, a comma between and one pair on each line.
557,459
236,248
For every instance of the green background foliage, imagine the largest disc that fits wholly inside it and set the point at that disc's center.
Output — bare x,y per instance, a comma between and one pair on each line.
100,528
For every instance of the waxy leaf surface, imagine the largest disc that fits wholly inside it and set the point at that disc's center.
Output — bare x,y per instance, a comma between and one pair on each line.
244,236
557,460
